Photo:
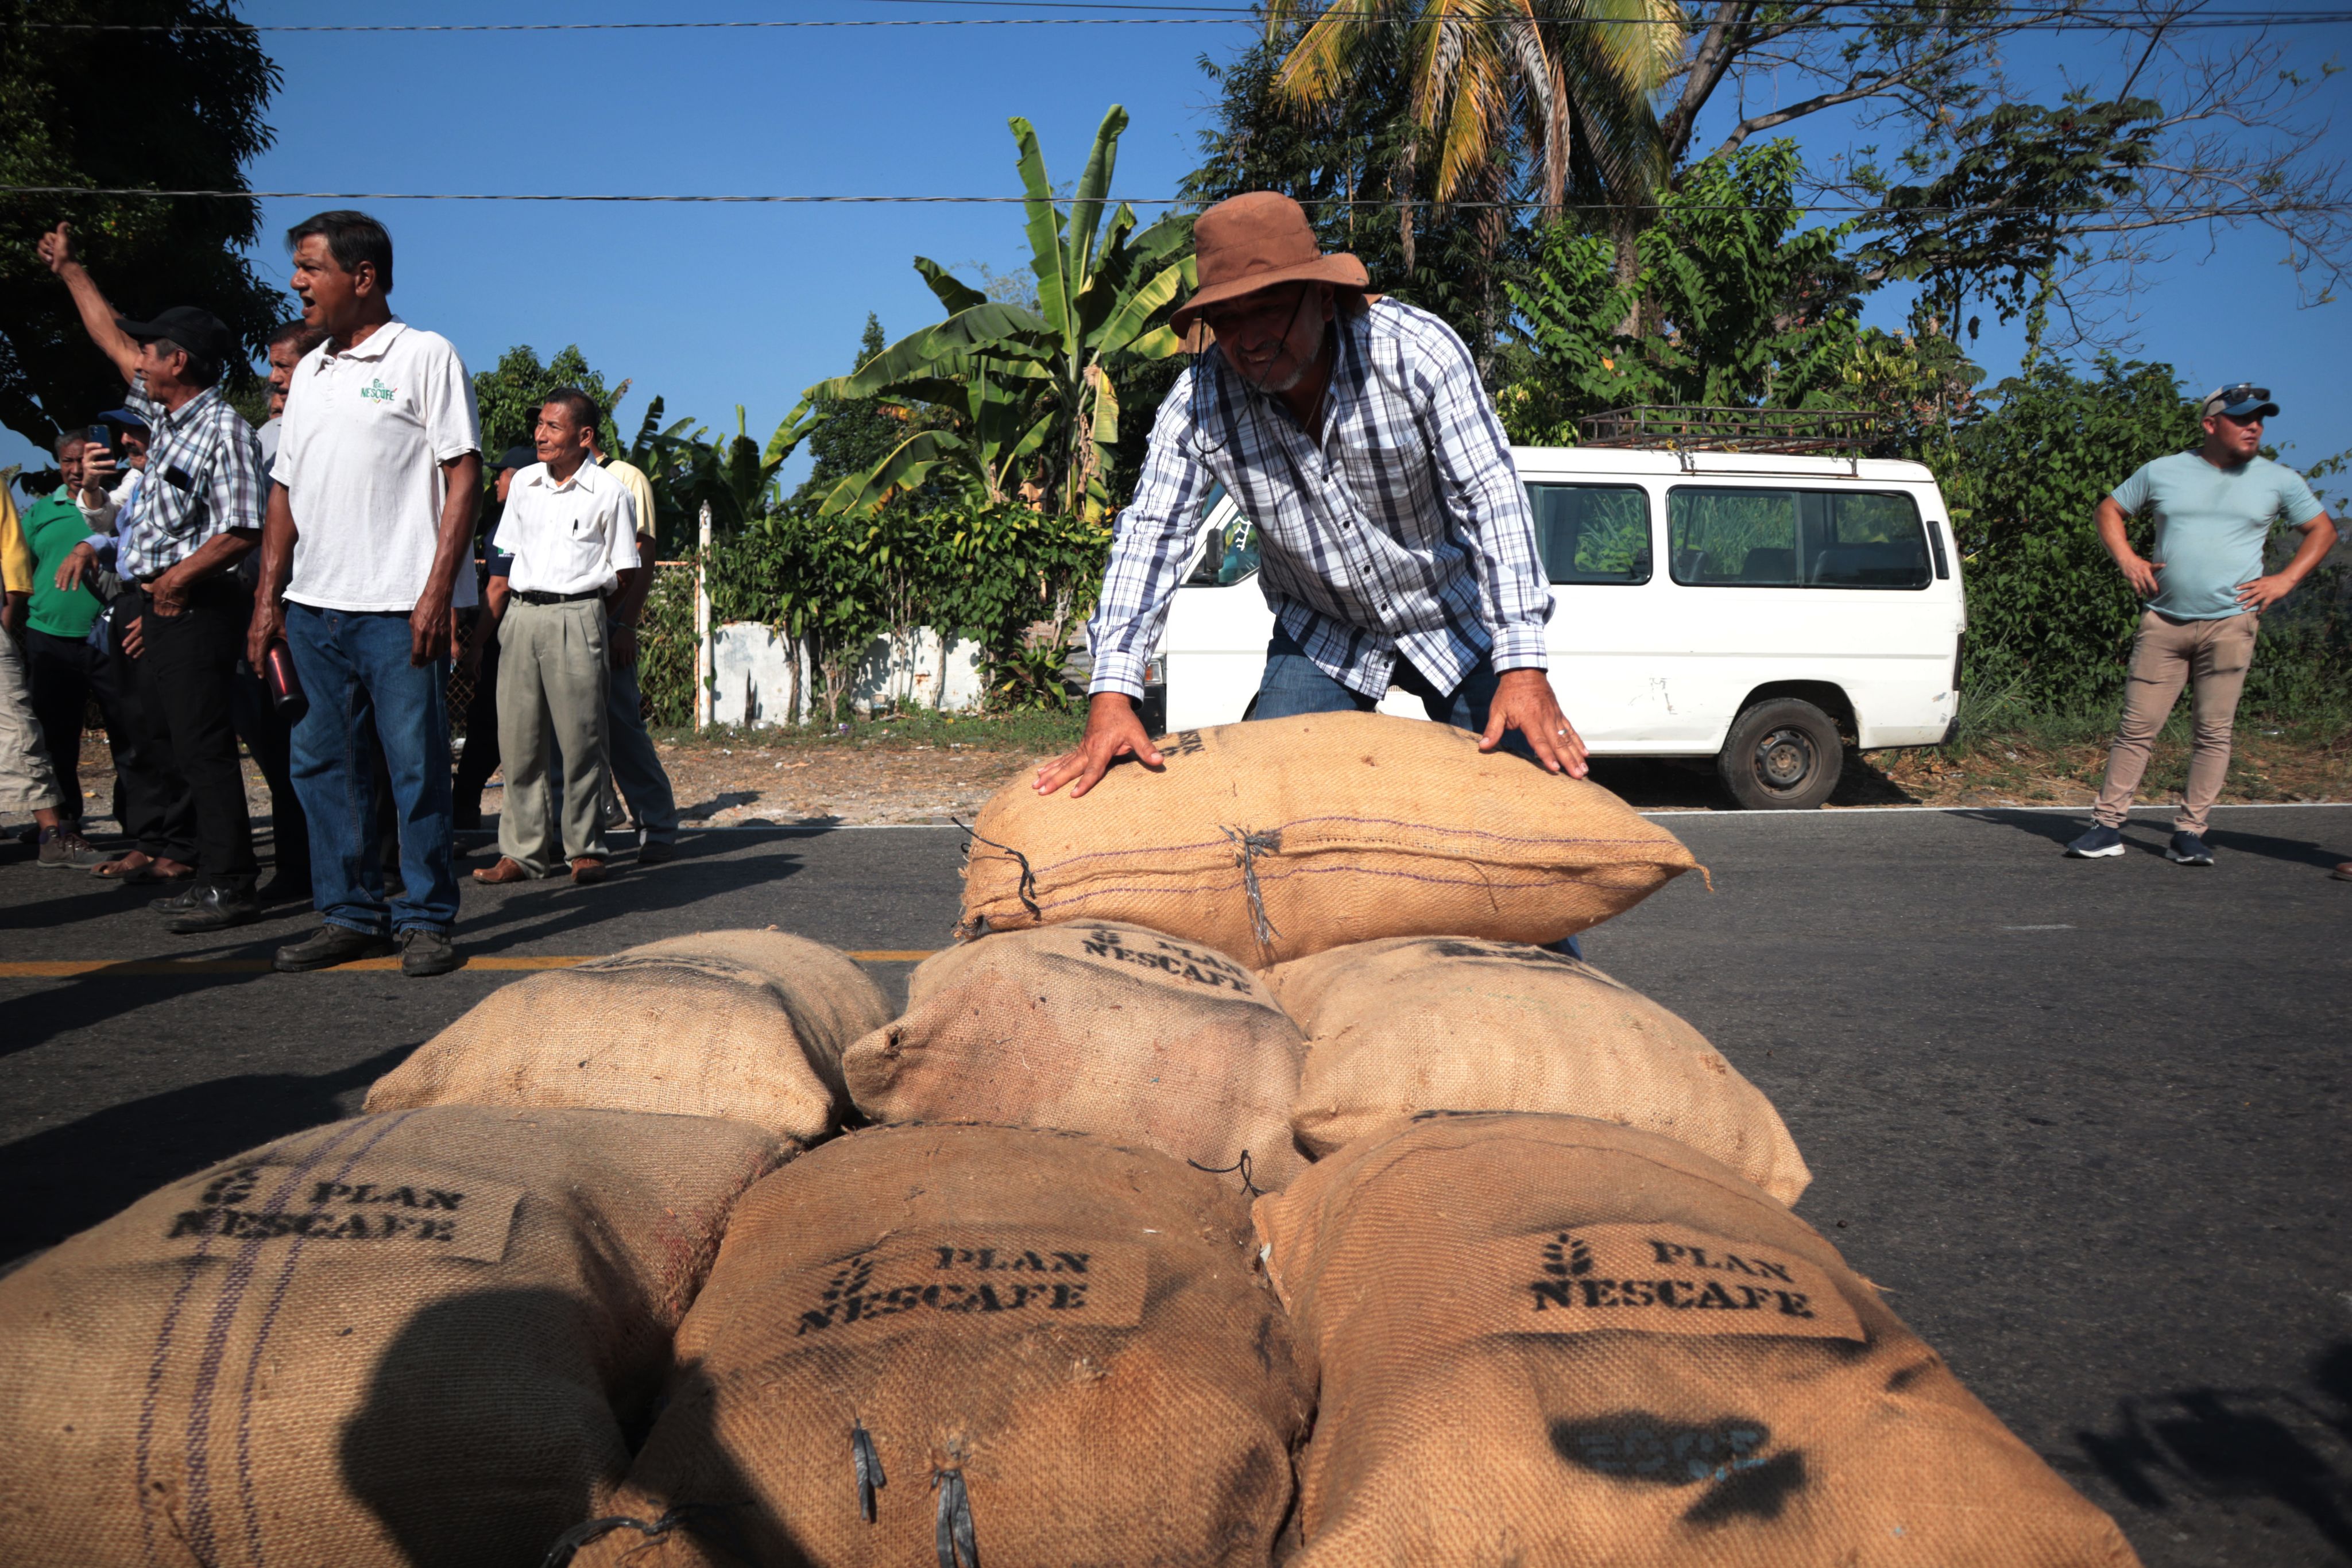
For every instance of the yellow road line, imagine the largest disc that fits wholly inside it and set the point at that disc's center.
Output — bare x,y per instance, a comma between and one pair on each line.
71,969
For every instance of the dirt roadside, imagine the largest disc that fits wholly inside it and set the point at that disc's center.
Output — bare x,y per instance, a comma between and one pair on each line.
767,778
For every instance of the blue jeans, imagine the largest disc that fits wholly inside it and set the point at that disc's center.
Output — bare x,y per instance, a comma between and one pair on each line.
365,695
1294,684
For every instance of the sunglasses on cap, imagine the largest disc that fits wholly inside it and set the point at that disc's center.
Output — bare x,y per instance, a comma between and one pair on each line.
2244,391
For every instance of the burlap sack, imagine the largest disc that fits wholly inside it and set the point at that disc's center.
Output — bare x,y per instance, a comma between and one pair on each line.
1021,1347
1102,1029
745,1025
1440,1023
1554,1340
407,1339
1276,838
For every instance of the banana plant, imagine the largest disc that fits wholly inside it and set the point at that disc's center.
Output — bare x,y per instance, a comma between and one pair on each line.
1029,405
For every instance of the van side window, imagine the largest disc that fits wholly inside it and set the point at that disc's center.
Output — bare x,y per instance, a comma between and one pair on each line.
1593,533
1743,537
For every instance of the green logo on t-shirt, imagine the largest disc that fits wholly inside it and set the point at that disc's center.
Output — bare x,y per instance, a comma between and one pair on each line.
376,392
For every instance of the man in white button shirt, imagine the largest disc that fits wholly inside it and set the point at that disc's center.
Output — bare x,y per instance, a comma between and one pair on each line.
571,528
377,478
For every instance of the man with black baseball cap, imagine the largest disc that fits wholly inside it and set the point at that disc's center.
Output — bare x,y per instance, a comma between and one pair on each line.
2205,593
197,513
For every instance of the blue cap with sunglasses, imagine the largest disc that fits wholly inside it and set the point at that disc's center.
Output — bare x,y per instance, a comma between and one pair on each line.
2242,400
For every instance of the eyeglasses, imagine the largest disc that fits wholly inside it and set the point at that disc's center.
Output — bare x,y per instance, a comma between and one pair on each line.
2241,393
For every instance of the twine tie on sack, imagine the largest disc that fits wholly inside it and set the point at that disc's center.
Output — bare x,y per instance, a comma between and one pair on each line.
1028,888
869,1465
1242,1165
958,1547
595,1530
1248,846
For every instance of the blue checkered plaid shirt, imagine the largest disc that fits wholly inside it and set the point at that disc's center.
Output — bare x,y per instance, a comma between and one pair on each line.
1405,531
204,478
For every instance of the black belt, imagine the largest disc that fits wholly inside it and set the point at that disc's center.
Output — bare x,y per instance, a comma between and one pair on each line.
533,596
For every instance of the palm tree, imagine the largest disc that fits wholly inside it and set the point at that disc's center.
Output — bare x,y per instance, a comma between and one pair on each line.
1573,77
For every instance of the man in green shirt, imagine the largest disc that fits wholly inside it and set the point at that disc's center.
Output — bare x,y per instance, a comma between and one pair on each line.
2205,593
63,668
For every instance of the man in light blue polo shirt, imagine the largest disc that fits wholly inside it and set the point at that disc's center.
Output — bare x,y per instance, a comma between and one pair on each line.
2205,593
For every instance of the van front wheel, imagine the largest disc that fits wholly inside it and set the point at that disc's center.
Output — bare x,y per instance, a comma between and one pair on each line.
1784,753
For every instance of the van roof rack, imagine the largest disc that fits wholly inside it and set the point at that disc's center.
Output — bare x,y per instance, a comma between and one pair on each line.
1837,431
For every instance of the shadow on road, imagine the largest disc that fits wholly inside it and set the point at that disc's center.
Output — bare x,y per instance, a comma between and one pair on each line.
2240,1444
68,1178
552,907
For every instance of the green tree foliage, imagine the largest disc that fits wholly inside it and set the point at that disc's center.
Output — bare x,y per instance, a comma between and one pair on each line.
2050,618
1029,397
1739,306
511,397
1997,222
851,435
1340,161
180,109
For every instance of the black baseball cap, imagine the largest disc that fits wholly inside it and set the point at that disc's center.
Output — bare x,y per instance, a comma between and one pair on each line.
122,418
198,332
518,457
2240,399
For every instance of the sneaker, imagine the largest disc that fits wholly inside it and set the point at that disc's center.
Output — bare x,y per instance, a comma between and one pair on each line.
657,852
216,909
2187,849
425,951
2097,844
330,943
66,846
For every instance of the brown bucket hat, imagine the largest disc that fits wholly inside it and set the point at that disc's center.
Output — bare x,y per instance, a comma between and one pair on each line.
1258,241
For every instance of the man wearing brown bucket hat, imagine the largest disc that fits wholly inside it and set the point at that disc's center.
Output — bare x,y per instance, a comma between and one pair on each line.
1396,543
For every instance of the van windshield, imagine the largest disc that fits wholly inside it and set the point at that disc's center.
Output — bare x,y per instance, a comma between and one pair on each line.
1748,537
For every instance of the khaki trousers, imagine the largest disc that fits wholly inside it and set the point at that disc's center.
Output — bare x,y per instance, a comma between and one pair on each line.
2212,658
27,782
553,669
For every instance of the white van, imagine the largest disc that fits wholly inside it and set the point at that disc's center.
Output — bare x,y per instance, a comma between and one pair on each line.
1762,609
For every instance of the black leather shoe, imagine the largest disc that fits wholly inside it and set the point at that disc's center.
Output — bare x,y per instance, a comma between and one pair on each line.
178,903
425,952
330,945
216,909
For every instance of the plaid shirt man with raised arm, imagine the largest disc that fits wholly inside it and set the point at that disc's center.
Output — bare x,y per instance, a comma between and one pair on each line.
204,478
1405,531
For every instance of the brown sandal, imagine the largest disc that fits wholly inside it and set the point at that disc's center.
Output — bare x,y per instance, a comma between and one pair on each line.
142,876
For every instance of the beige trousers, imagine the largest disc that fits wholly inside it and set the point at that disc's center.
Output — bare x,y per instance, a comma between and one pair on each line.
27,782
2210,657
553,666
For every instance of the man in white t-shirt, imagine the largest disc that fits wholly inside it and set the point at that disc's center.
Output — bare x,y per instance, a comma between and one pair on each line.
378,475
570,531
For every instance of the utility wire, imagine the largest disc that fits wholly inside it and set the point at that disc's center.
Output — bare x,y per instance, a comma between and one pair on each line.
2218,210
2048,22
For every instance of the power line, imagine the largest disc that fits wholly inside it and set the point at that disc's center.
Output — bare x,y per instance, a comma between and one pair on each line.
2037,20
2189,210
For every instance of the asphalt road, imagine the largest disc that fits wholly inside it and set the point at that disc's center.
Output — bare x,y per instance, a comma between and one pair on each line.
2085,1123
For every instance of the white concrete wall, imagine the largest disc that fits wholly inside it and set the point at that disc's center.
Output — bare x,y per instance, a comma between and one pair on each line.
752,672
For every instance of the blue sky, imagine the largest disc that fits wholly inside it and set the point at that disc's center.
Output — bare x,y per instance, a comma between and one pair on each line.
712,307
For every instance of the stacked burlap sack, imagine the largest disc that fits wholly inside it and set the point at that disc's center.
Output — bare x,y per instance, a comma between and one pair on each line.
420,1337
432,1335
745,1025
956,1343
1546,1265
